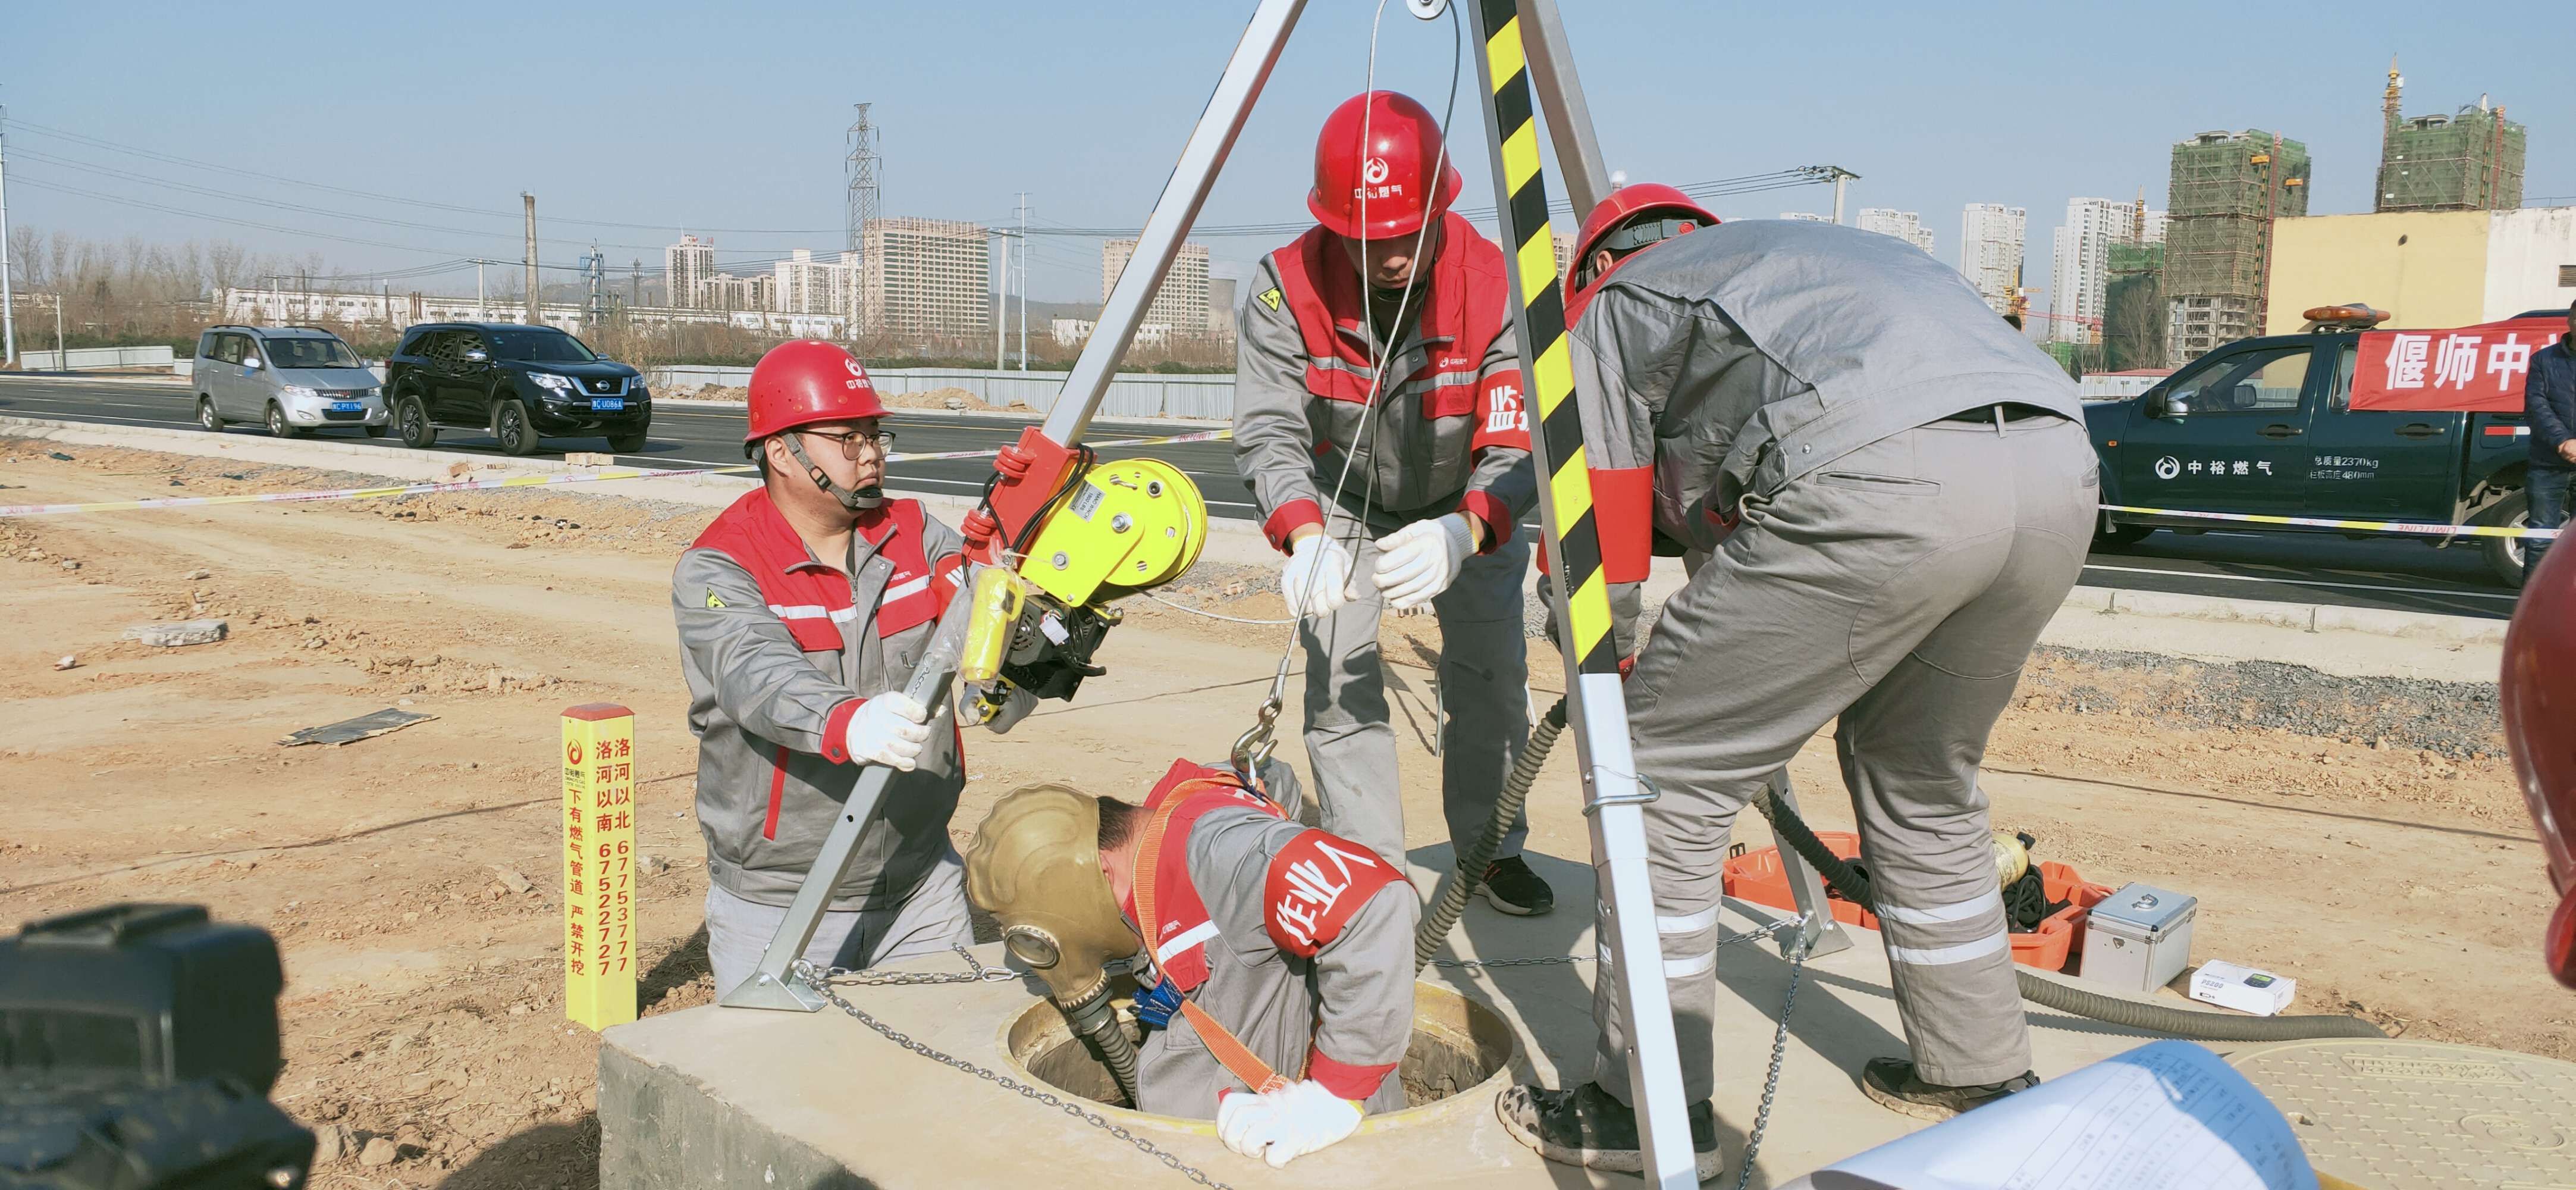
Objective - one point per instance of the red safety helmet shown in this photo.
(804, 381)
(2538, 691)
(1373, 166)
(1603, 228)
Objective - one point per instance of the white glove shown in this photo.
(1285, 1124)
(1317, 579)
(888, 730)
(1419, 561)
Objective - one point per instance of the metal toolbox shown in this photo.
(2139, 938)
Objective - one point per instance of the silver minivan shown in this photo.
(292, 379)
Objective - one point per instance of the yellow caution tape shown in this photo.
(516, 481)
(2311, 522)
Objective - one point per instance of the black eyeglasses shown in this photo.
(851, 442)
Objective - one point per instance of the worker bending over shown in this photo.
(1279, 995)
(803, 609)
(1892, 492)
(1376, 347)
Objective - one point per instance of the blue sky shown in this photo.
(675, 116)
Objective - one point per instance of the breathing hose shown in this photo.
(1096, 1021)
(1855, 887)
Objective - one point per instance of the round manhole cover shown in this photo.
(2415, 1115)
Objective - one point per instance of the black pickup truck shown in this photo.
(2264, 426)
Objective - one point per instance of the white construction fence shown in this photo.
(100, 359)
(1131, 394)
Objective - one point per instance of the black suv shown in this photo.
(517, 381)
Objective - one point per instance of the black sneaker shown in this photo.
(1895, 1085)
(1586, 1127)
(1510, 887)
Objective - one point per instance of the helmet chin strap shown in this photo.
(860, 500)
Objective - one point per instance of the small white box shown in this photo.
(2242, 988)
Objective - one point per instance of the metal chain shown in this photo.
(1779, 1049)
(976, 972)
(816, 978)
(821, 979)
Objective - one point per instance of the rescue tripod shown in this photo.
(1526, 68)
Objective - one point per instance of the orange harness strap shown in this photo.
(1222, 1044)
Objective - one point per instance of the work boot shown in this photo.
(1586, 1127)
(1894, 1083)
(1510, 887)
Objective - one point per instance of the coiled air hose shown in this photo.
(1854, 886)
(1480, 850)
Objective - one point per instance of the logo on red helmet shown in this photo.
(1374, 171)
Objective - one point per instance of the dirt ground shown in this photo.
(411, 878)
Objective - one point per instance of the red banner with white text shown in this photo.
(2477, 369)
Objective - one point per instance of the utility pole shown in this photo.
(479, 315)
(8, 299)
(1024, 280)
(529, 203)
(634, 284)
(1840, 176)
(594, 271)
(1001, 300)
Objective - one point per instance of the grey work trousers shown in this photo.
(929, 920)
(1483, 675)
(1896, 591)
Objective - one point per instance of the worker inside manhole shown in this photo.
(1277, 996)
(1457, 1044)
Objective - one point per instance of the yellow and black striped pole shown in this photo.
(1596, 710)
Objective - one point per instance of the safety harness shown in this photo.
(1316, 884)
(1222, 1044)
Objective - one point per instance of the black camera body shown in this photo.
(138, 1043)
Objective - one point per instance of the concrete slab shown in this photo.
(731, 1097)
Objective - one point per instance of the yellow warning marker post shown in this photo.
(599, 864)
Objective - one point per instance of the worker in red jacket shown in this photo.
(802, 611)
(2539, 696)
(1277, 998)
(1378, 421)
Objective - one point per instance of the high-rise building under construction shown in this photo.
(2470, 160)
(2227, 190)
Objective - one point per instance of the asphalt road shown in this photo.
(2290, 567)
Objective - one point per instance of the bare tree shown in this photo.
(26, 255)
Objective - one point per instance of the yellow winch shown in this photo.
(1120, 528)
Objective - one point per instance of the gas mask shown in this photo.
(860, 500)
(1035, 866)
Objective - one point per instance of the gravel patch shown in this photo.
(2456, 719)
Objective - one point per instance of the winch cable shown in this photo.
(1254, 745)
(1855, 887)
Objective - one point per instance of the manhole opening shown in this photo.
(1456, 1045)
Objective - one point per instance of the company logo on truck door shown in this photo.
(2170, 467)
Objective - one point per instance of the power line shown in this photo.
(174, 159)
(251, 223)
